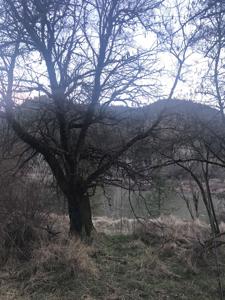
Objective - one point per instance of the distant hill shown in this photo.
(178, 107)
(182, 107)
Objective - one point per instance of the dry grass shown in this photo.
(102, 224)
(41, 261)
(173, 228)
(125, 266)
(171, 235)
(115, 226)
(176, 237)
(55, 264)
(11, 294)
(152, 263)
(70, 255)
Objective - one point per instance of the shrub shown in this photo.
(176, 237)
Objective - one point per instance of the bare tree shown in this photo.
(177, 38)
(83, 57)
(191, 145)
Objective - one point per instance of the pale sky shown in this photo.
(186, 88)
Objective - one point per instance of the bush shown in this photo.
(176, 237)
(18, 234)
(23, 219)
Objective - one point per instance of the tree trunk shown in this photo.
(80, 215)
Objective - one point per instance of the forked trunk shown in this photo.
(80, 215)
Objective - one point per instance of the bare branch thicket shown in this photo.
(177, 37)
(188, 145)
(78, 58)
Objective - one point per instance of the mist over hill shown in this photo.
(168, 107)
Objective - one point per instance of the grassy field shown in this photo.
(115, 267)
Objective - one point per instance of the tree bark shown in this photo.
(80, 215)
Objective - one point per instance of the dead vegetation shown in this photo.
(190, 241)
(34, 261)
(164, 259)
